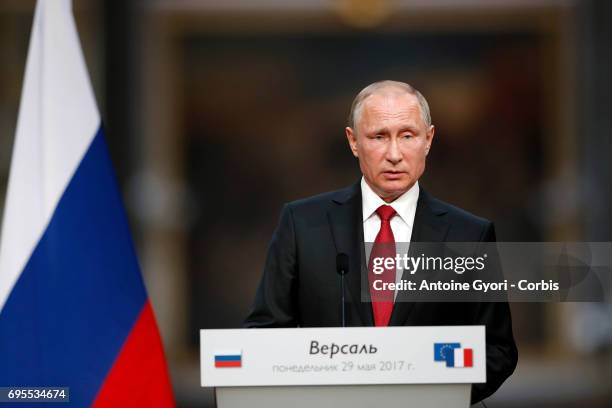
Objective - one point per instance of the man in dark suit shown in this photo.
(390, 132)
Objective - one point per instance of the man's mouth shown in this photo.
(393, 175)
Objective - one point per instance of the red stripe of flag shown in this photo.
(139, 377)
(468, 358)
(235, 363)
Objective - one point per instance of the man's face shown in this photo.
(391, 141)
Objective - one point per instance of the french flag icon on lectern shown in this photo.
(453, 354)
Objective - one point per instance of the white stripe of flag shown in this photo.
(51, 137)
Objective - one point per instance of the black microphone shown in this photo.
(342, 267)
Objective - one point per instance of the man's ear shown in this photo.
(429, 138)
(352, 140)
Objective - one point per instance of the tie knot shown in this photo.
(385, 212)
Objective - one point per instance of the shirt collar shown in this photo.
(404, 205)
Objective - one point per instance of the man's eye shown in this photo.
(407, 136)
(379, 137)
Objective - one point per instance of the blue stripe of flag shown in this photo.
(228, 358)
(80, 293)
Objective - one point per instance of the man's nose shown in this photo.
(394, 155)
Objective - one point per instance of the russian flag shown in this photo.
(228, 358)
(73, 308)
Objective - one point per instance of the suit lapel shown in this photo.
(346, 223)
(429, 226)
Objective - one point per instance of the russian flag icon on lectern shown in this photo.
(228, 358)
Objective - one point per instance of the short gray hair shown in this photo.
(377, 86)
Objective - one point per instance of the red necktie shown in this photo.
(384, 247)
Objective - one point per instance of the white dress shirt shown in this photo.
(401, 224)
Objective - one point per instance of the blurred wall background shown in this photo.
(217, 113)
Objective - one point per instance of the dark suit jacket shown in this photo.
(300, 286)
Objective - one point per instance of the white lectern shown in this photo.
(344, 367)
